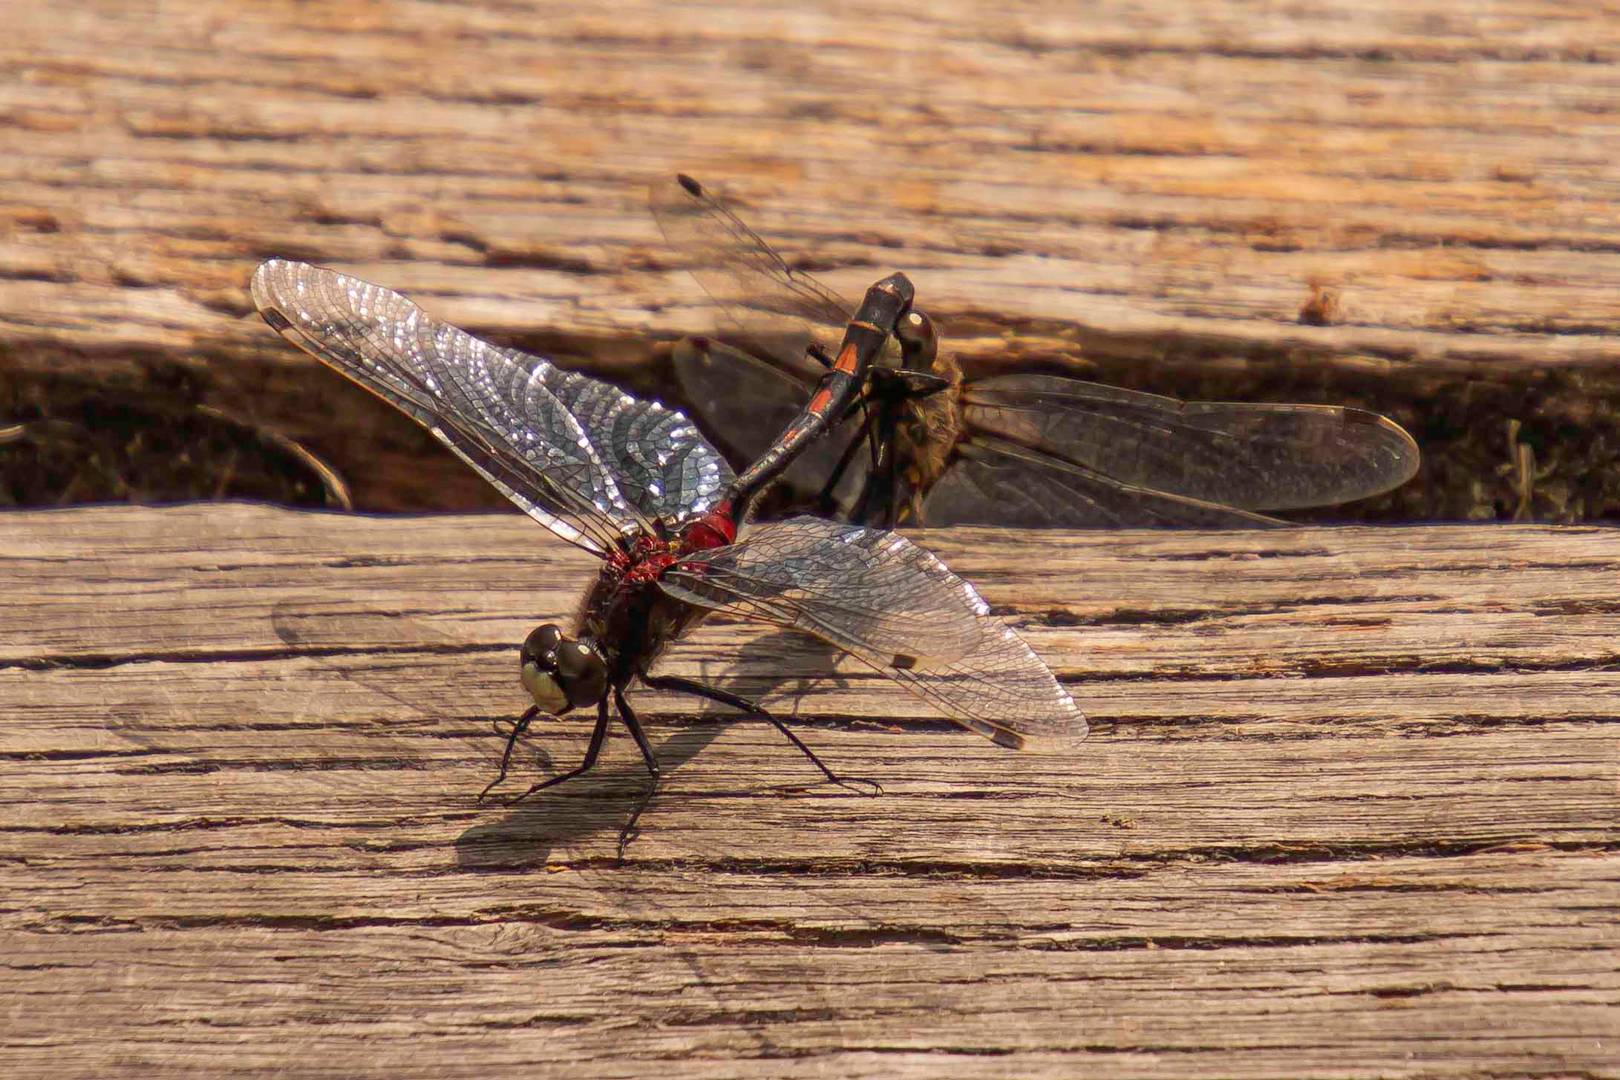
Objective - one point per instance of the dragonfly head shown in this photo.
(919, 341)
(561, 673)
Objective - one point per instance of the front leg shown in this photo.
(592, 752)
(518, 729)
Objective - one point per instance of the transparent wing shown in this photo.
(737, 267)
(1253, 456)
(746, 403)
(583, 458)
(893, 605)
(662, 464)
(992, 482)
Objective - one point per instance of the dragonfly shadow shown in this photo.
(775, 669)
(343, 640)
(601, 802)
(523, 834)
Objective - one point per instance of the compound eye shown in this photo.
(542, 687)
(919, 341)
(540, 644)
(580, 673)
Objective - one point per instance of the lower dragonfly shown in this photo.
(1016, 450)
(635, 484)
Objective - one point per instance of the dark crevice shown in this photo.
(635, 930)
(1173, 616)
(104, 661)
(1407, 53)
(1128, 864)
(1313, 668)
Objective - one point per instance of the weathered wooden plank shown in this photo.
(506, 988)
(1320, 125)
(1349, 809)
(1158, 195)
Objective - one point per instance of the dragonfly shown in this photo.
(635, 484)
(1028, 450)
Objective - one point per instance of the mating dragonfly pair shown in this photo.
(634, 482)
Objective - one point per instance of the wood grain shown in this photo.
(1349, 809)
(1164, 195)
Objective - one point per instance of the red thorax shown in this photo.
(650, 554)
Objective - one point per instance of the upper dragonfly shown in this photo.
(635, 484)
(1022, 450)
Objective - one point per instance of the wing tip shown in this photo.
(1064, 732)
(264, 270)
(1057, 740)
(1394, 439)
(265, 287)
(259, 286)
(263, 290)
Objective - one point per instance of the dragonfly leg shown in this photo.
(630, 721)
(901, 384)
(627, 714)
(592, 752)
(876, 507)
(749, 708)
(825, 499)
(518, 728)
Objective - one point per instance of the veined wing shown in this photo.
(890, 603)
(748, 402)
(736, 266)
(583, 458)
(993, 482)
(1253, 456)
(661, 462)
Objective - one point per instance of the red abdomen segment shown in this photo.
(885, 304)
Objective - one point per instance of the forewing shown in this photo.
(748, 402)
(736, 266)
(992, 482)
(663, 466)
(893, 605)
(1253, 456)
(581, 457)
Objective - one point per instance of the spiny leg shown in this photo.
(890, 388)
(877, 493)
(878, 433)
(598, 737)
(675, 682)
(903, 384)
(847, 458)
(628, 715)
(876, 506)
(518, 728)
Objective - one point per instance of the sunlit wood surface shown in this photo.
(1348, 808)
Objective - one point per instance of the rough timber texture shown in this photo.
(1349, 809)
(1410, 204)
